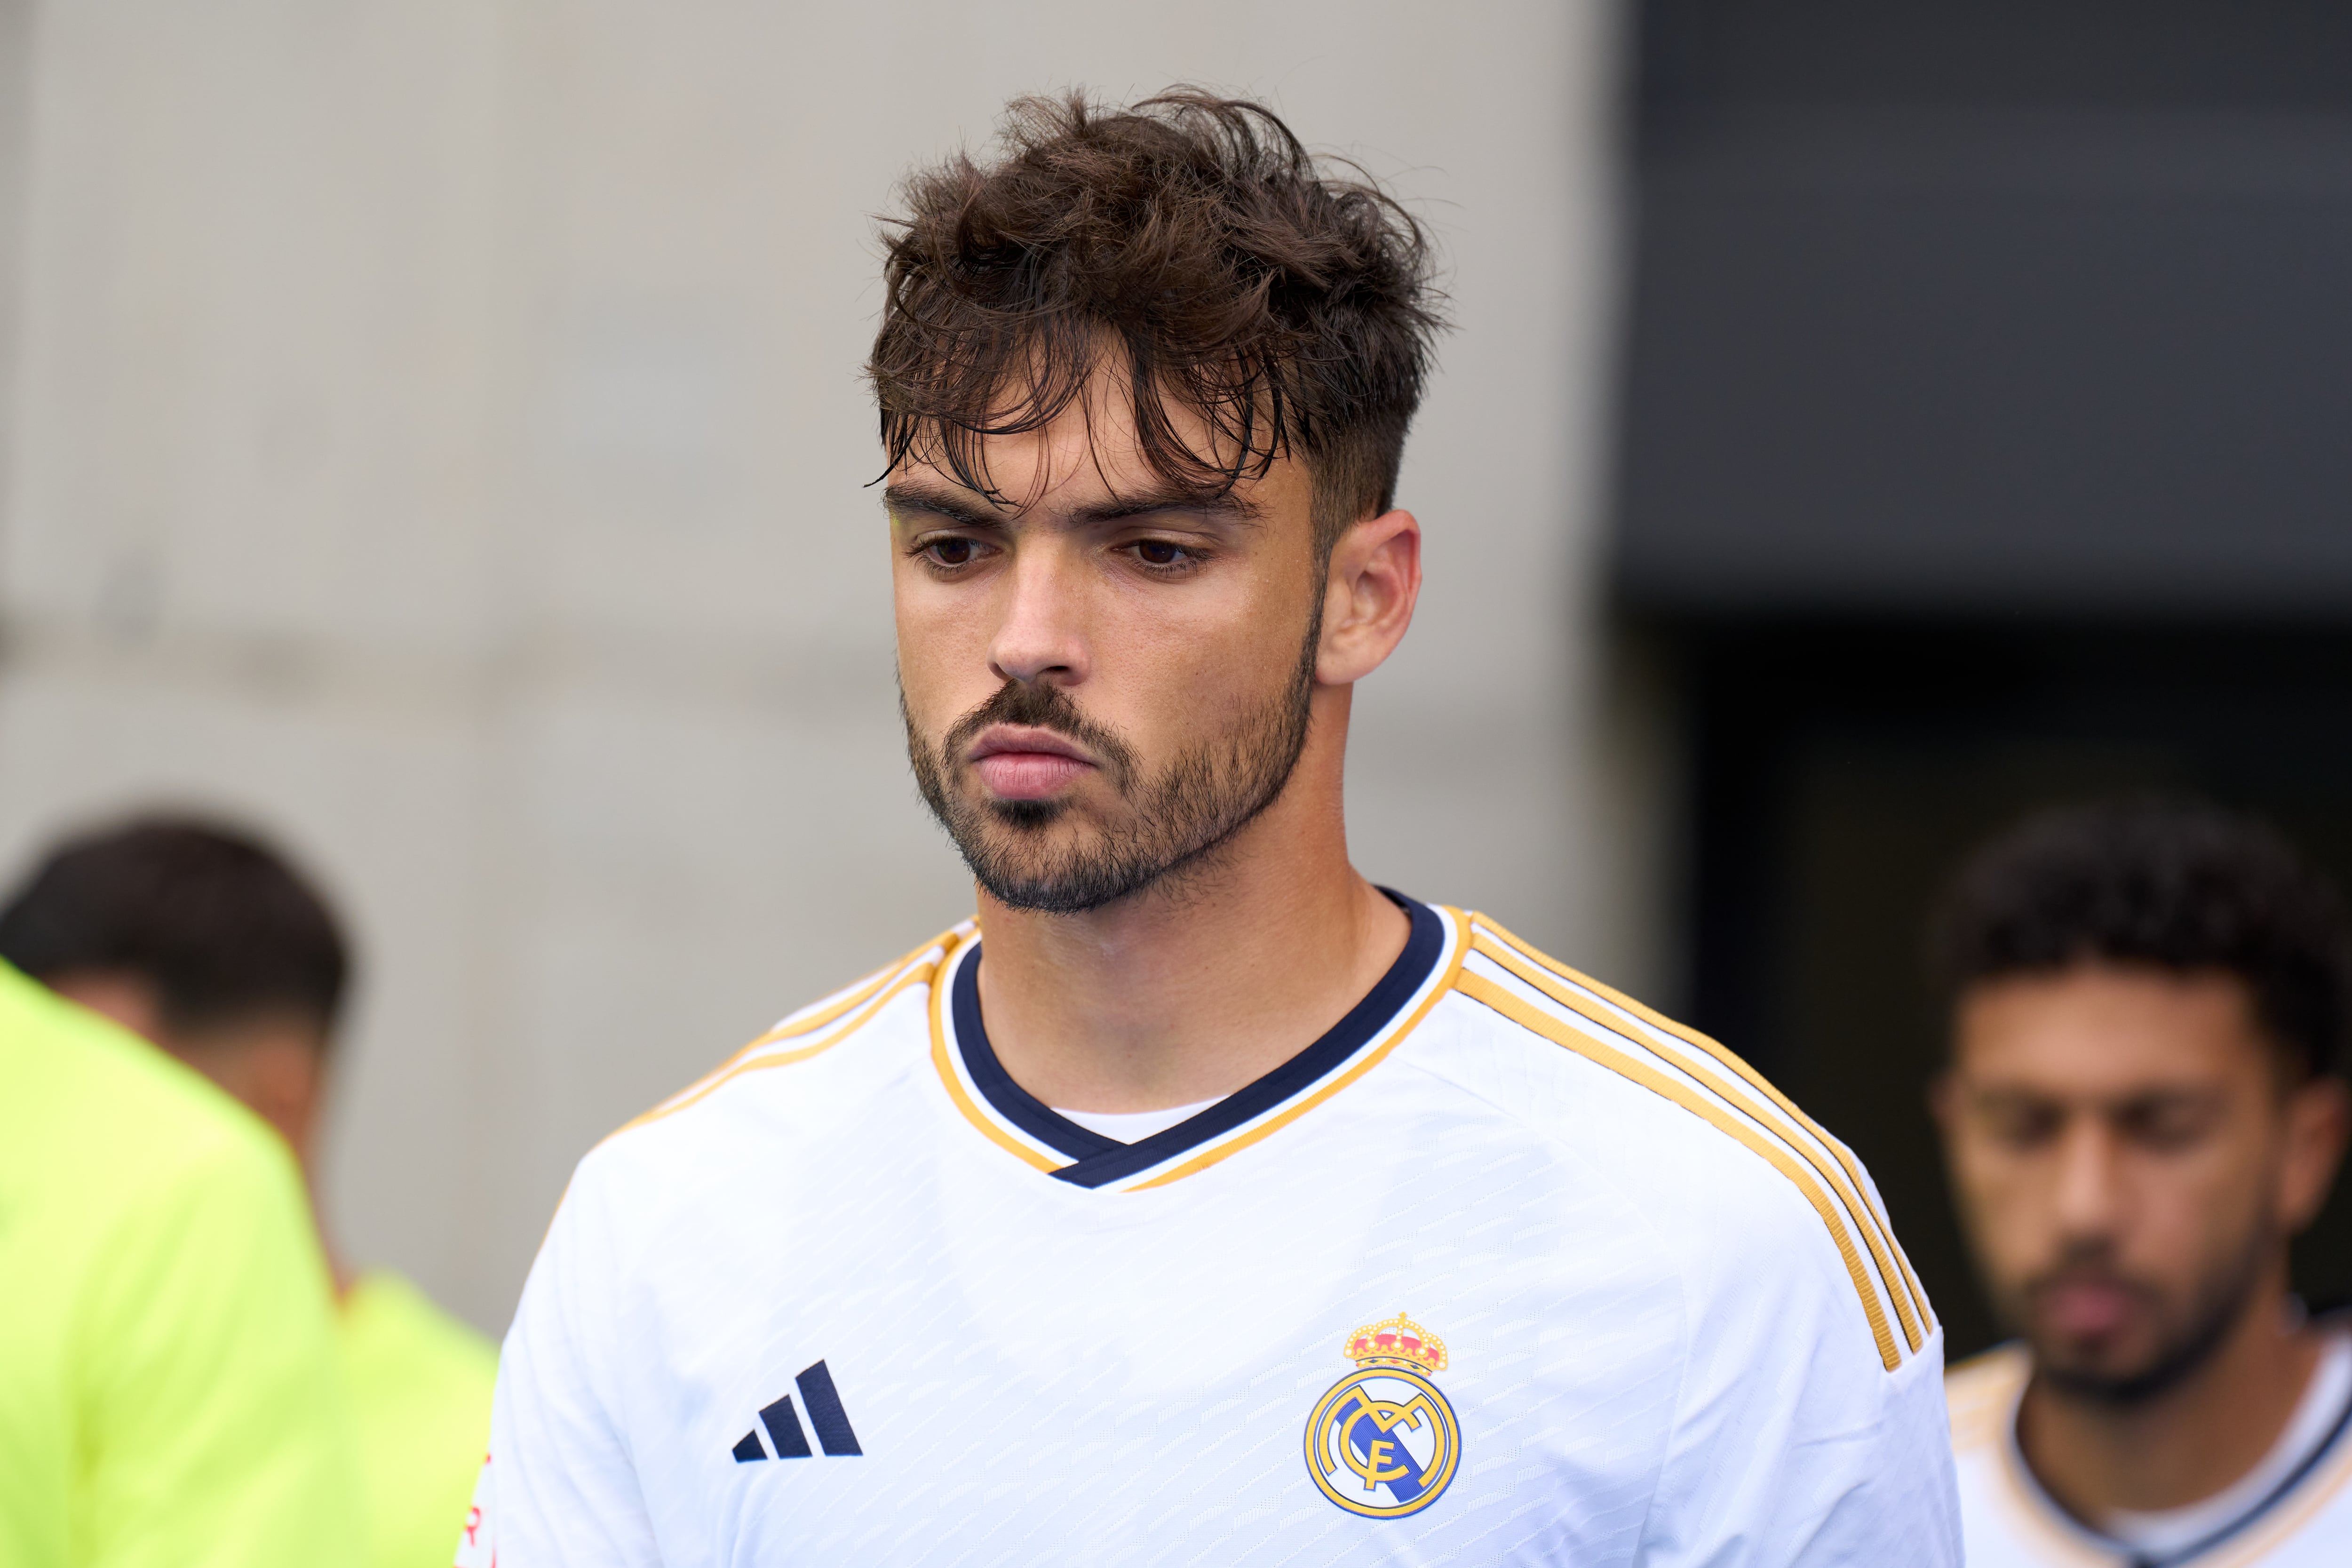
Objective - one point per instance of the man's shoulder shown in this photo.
(1582, 1063)
(835, 1046)
(1718, 1157)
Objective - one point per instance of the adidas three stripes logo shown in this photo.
(784, 1427)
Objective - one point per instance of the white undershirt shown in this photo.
(1133, 1126)
(2153, 1534)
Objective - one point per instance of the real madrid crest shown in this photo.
(1383, 1442)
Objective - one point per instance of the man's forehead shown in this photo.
(2100, 995)
(2072, 1058)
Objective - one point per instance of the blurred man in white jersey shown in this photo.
(2149, 999)
(1199, 1201)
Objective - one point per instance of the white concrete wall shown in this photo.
(435, 432)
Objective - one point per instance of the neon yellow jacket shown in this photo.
(169, 1392)
(420, 1383)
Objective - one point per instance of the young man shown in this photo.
(2148, 999)
(1198, 1202)
(205, 942)
(167, 1383)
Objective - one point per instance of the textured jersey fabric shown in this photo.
(420, 1384)
(2009, 1521)
(169, 1396)
(1503, 1269)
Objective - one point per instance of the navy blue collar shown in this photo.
(1097, 1159)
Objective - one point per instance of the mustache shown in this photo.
(2041, 1285)
(1041, 707)
(2088, 1263)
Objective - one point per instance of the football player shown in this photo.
(2140, 1111)
(1198, 1199)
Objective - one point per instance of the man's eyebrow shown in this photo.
(970, 513)
(971, 510)
(1222, 505)
(2165, 1098)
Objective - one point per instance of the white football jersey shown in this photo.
(2300, 1517)
(1503, 1269)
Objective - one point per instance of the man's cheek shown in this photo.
(2012, 1231)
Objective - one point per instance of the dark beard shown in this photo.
(1177, 820)
(2217, 1310)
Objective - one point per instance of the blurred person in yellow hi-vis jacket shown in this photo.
(208, 943)
(168, 1391)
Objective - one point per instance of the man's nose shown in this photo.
(2089, 1190)
(1041, 636)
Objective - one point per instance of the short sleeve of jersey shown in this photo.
(558, 1487)
(1793, 1445)
(217, 1434)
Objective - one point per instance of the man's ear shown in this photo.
(2318, 1119)
(1368, 597)
(127, 998)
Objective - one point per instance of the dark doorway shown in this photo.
(1842, 766)
(1982, 444)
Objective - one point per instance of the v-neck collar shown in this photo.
(1085, 1158)
(2028, 1490)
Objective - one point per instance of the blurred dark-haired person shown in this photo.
(205, 941)
(1199, 1202)
(2147, 1002)
(169, 1396)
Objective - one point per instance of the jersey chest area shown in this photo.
(1305, 1361)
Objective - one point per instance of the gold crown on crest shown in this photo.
(1397, 1341)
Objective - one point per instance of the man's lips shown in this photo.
(2087, 1308)
(1023, 762)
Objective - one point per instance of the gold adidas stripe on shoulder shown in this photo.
(1723, 1106)
(1656, 1029)
(1863, 1217)
(1481, 989)
(822, 1012)
(852, 1009)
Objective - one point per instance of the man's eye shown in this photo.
(2167, 1126)
(2022, 1126)
(1159, 552)
(951, 552)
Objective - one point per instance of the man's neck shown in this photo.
(1181, 994)
(2186, 1444)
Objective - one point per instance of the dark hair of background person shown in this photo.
(2178, 884)
(1289, 301)
(220, 924)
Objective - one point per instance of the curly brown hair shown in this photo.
(2175, 883)
(1193, 243)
